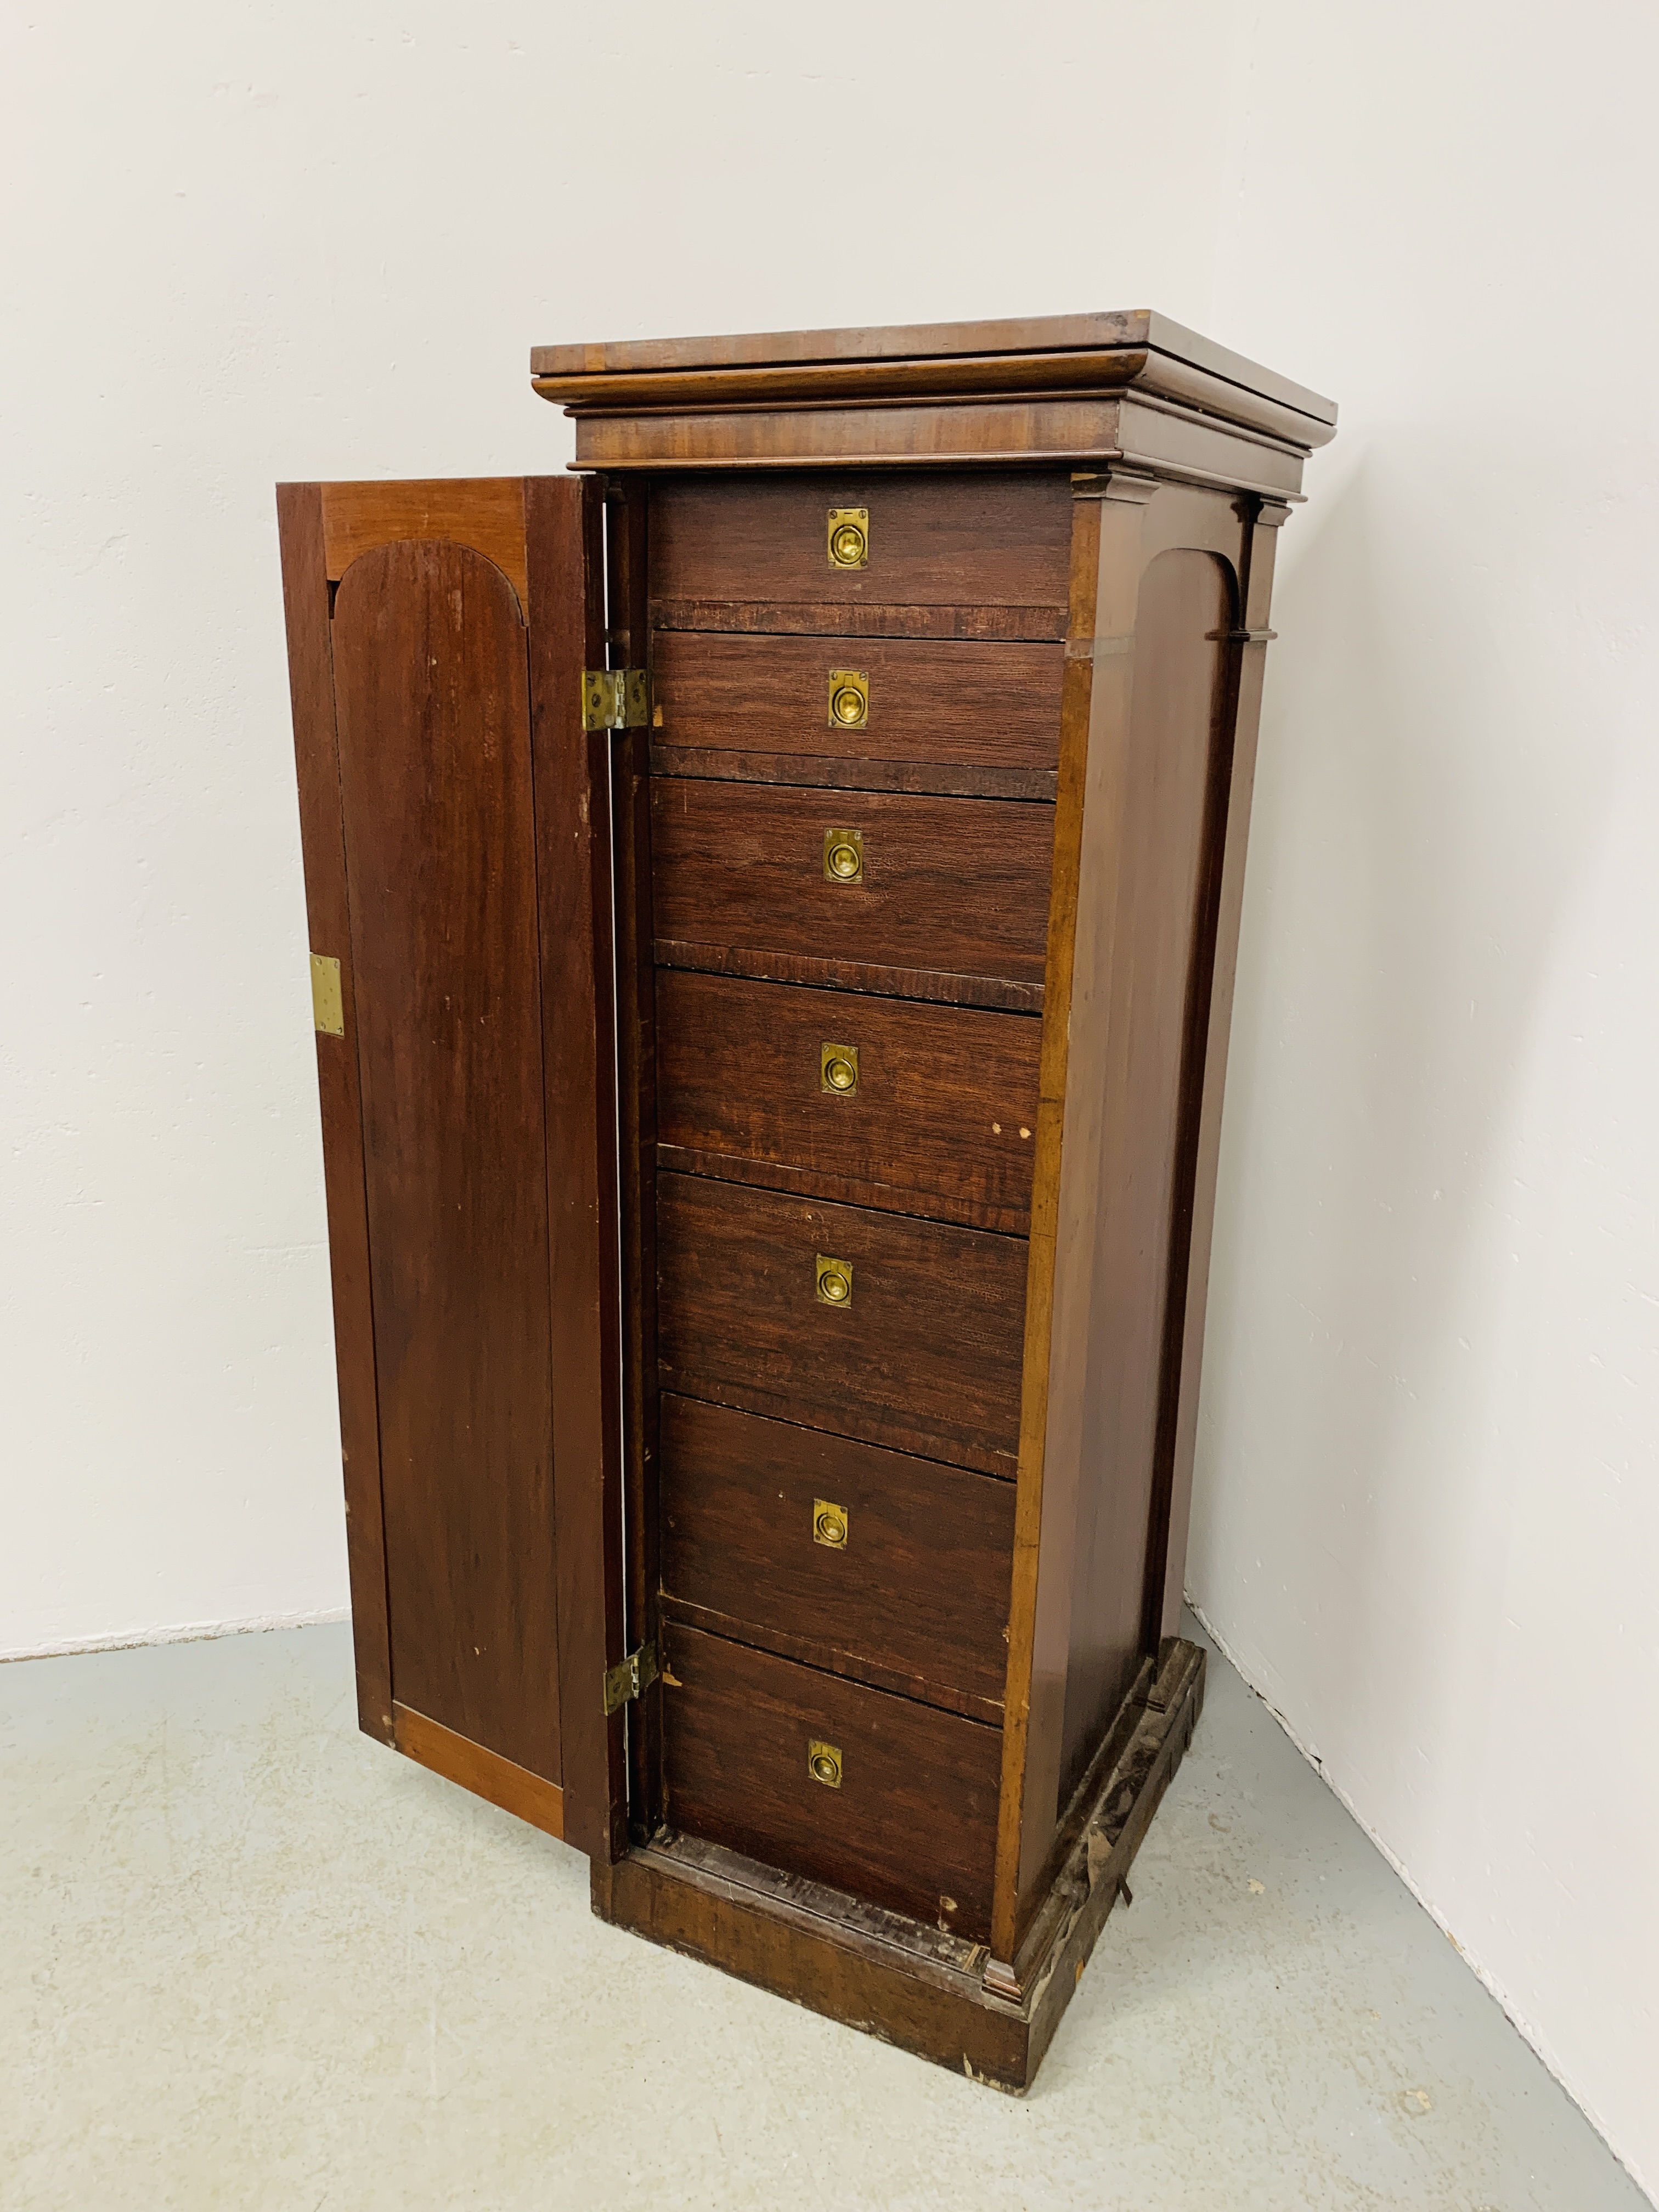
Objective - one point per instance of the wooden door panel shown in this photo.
(432, 700)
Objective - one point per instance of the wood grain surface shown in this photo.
(837, 772)
(913, 1823)
(486, 512)
(982, 439)
(627, 538)
(934, 540)
(1172, 1511)
(904, 1979)
(844, 618)
(972, 346)
(485, 1773)
(845, 383)
(951, 886)
(1033, 1700)
(989, 706)
(432, 692)
(920, 1588)
(322, 838)
(926, 1358)
(1118, 1366)
(945, 1107)
(572, 875)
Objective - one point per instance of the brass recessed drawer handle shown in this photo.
(823, 1764)
(849, 699)
(834, 1281)
(829, 1525)
(843, 856)
(838, 1069)
(849, 537)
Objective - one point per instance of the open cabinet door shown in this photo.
(455, 818)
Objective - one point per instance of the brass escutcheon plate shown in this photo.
(834, 1281)
(849, 699)
(823, 1764)
(829, 1525)
(838, 1069)
(843, 856)
(849, 537)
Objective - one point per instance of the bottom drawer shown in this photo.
(893, 1801)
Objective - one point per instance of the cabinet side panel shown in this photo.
(432, 698)
(1137, 1246)
(1167, 1565)
(311, 683)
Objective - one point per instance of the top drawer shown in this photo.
(980, 556)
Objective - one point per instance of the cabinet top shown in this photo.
(1130, 387)
(940, 357)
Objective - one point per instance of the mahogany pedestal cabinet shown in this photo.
(774, 896)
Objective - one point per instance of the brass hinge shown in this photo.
(327, 1004)
(625, 1680)
(616, 699)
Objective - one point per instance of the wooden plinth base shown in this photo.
(893, 1977)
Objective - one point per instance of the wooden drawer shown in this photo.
(981, 555)
(942, 1119)
(924, 1357)
(912, 1824)
(916, 1596)
(953, 901)
(966, 704)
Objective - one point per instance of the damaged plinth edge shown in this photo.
(930, 1992)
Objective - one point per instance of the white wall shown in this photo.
(1427, 1521)
(307, 240)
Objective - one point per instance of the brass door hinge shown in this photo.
(625, 1680)
(327, 1003)
(616, 699)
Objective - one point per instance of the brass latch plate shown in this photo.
(625, 1680)
(834, 1281)
(327, 1001)
(616, 699)
(824, 1763)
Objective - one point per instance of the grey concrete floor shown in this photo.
(248, 1959)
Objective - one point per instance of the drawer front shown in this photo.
(942, 1107)
(914, 1579)
(981, 705)
(956, 885)
(966, 541)
(911, 1822)
(924, 1356)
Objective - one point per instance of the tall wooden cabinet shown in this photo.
(774, 896)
